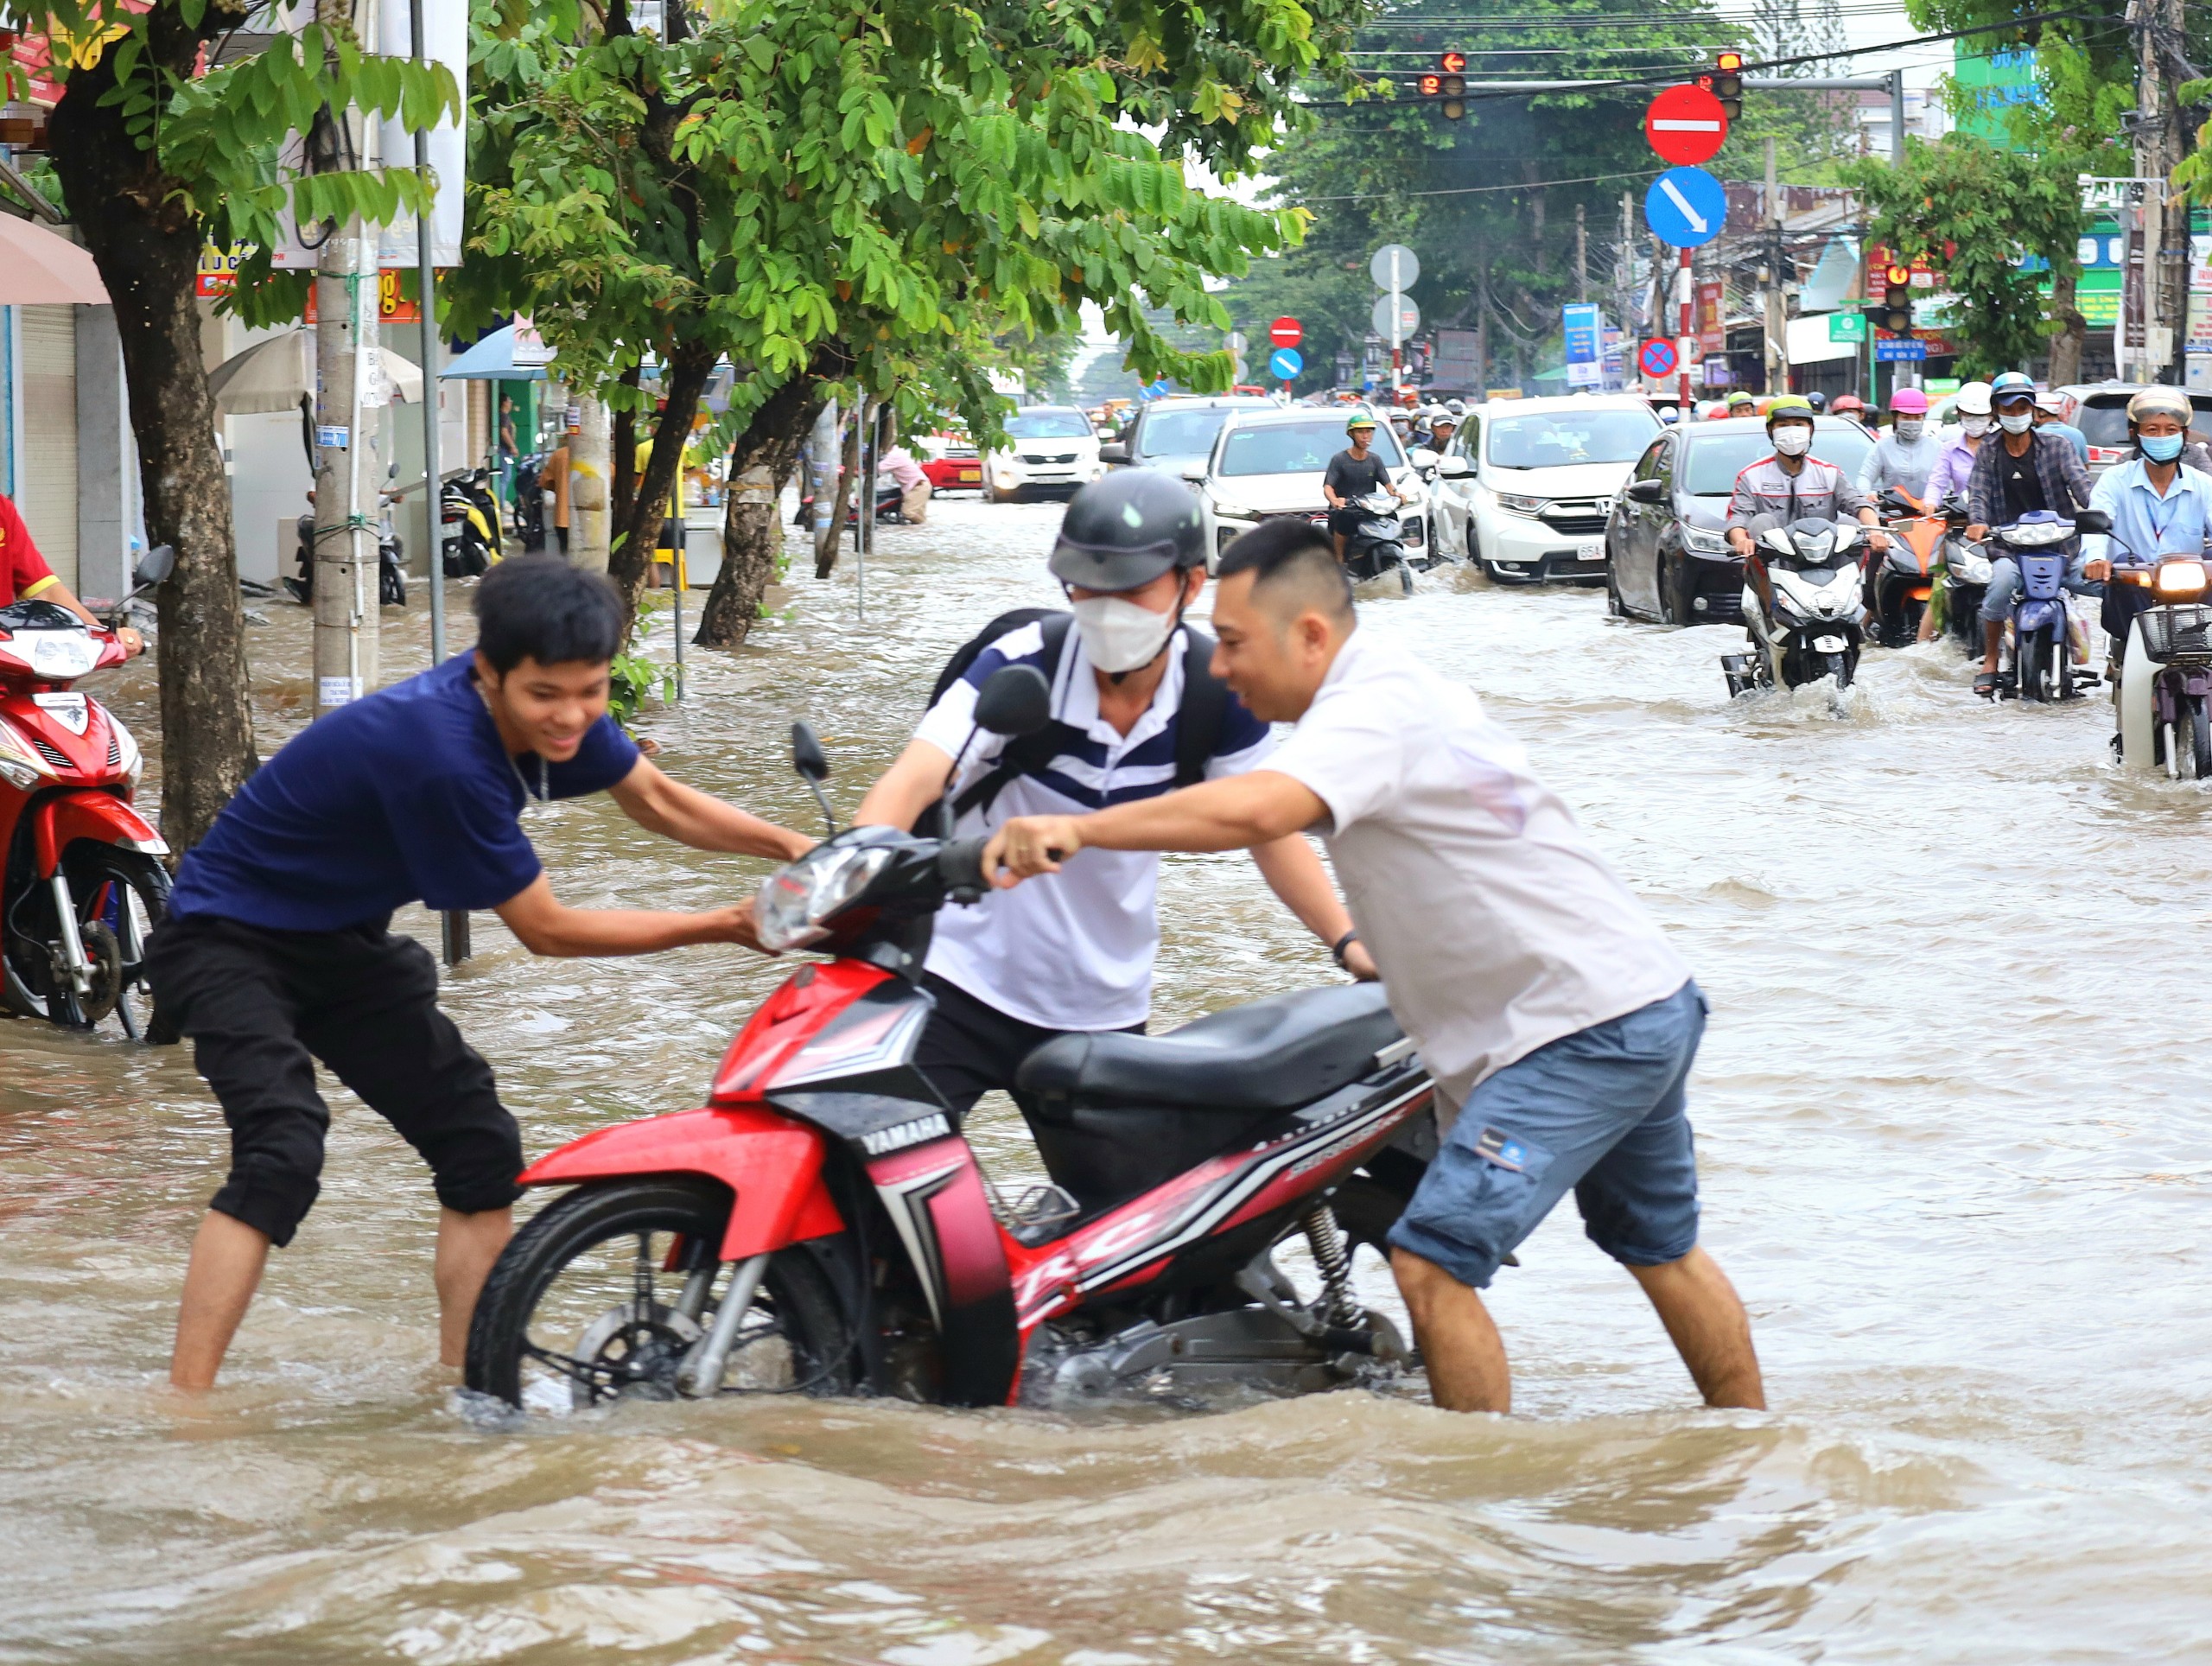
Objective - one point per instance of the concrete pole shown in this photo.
(591, 485)
(346, 465)
(1897, 118)
(1778, 324)
(1582, 255)
(427, 278)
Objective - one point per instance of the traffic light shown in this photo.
(1893, 312)
(1726, 83)
(1448, 83)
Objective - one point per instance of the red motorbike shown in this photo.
(83, 883)
(821, 1224)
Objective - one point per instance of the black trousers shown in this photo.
(260, 1005)
(970, 1047)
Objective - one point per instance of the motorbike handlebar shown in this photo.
(960, 863)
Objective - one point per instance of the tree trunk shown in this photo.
(753, 528)
(848, 469)
(146, 241)
(637, 534)
(2066, 346)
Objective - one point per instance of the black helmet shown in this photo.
(1818, 401)
(1126, 529)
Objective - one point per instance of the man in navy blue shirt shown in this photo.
(276, 950)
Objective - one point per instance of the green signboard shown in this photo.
(1846, 327)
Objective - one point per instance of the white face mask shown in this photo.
(1910, 429)
(1974, 426)
(1793, 440)
(1121, 636)
(2017, 421)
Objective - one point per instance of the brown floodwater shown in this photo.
(1952, 1118)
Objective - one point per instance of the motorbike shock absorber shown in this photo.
(1327, 1244)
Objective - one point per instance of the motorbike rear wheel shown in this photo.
(601, 1294)
(2034, 666)
(2196, 742)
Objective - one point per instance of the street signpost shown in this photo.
(1285, 332)
(1685, 124)
(1394, 267)
(1891, 350)
(1846, 327)
(1237, 345)
(1395, 316)
(1685, 207)
(1657, 359)
(1285, 363)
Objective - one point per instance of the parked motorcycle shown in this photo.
(2040, 662)
(82, 884)
(529, 503)
(1377, 548)
(391, 554)
(821, 1224)
(1803, 612)
(469, 522)
(1901, 582)
(2163, 712)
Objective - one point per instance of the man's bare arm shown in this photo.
(1234, 814)
(1295, 874)
(546, 926)
(903, 791)
(662, 804)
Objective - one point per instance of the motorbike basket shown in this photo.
(2177, 633)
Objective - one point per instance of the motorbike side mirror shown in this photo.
(392, 473)
(2093, 520)
(1014, 700)
(813, 768)
(156, 565)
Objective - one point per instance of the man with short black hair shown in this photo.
(276, 951)
(1354, 472)
(1558, 1023)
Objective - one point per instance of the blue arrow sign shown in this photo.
(1686, 206)
(1285, 363)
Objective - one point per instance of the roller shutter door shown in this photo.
(46, 494)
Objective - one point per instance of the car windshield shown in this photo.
(1569, 437)
(1188, 433)
(2104, 422)
(1048, 425)
(1297, 448)
(1716, 459)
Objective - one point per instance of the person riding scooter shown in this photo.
(2023, 472)
(1792, 484)
(1851, 408)
(1902, 459)
(1954, 463)
(2156, 506)
(1354, 472)
(1135, 713)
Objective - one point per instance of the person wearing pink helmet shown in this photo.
(1902, 459)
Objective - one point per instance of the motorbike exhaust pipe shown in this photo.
(700, 1376)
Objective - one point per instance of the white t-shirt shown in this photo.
(1075, 951)
(1496, 928)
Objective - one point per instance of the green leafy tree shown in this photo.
(1974, 208)
(845, 201)
(156, 158)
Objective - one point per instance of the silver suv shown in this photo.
(1176, 434)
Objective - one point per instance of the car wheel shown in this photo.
(1683, 599)
(1666, 588)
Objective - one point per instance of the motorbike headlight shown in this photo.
(795, 901)
(2180, 580)
(1700, 541)
(1521, 505)
(19, 764)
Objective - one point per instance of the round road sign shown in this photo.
(1685, 124)
(1408, 315)
(1394, 267)
(1285, 332)
(1657, 359)
(1285, 363)
(1686, 206)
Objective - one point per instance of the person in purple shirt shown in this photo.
(1954, 468)
(278, 951)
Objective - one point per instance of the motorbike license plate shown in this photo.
(1828, 643)
(1590, 549)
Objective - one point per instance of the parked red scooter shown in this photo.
(82, 883)
(820, 1225)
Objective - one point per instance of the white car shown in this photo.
(1268, 463)
(1053, 449)
(1526, 484)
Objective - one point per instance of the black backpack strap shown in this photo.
(1205, 710)
(1026, 754)
(1005, 625)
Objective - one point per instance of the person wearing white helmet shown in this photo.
(1954, 468)
(2157, 506)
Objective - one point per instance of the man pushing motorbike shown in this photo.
(1791, 484)
(276, 950)
(2025, 470)
(1135, 713)
(1550, 1010)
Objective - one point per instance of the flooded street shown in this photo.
(1954, 1155)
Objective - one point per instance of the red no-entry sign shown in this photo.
(1285, 332)
(1685, 124)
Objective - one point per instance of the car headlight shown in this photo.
(19, 764)
(1704, 543)
(796, 901)
(1521, 505)
(1235, 511)
(2180, 580)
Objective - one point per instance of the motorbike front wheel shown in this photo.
(602, 1295)
(2033, 663)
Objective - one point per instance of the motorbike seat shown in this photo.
(1285, 1051)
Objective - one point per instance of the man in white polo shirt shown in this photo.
(1546, 1002)
(1135, 714)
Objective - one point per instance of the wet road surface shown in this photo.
(1952, 1122)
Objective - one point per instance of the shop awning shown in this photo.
(39, 268)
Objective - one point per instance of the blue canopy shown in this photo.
(492, 359)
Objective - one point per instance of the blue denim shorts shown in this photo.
(1603, 1111)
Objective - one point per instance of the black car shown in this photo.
(1667, 556)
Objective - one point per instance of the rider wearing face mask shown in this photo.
(1954, 464)
(2157, 506)
(1794, 485)
(2022, 472)
(1904, 458)
(1135, 714)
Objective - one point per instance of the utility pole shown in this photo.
(1581, 255)
(2165, 236)
(591, 485)
(1625, 294)
(1778, 325)
(345, 584)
